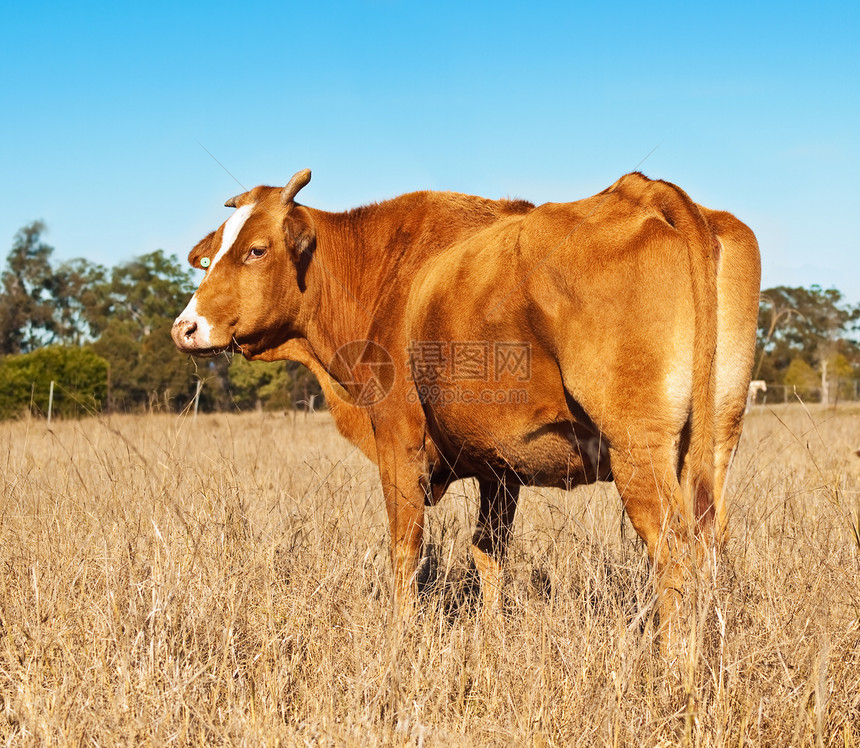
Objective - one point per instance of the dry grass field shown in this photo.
(226, 582)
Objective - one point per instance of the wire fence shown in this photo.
(842, 390)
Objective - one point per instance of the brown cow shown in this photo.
(610, 338)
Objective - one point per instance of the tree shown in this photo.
(132, 312)
(843, 375)
(80, 378)
(801, 378)
(144, 292)
(257, 384)
(78, 290)
(28, 287)
(39, 304)
(812, 325)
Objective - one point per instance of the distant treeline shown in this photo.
(102, 335)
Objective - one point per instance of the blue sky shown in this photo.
(750, 107)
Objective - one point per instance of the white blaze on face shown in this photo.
(232, 228)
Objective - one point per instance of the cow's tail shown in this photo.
(703, 249)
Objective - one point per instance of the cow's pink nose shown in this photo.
(188, 329)
(183, 330)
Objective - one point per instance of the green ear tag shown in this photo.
(205, 262)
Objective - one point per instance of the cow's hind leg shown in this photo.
(498, 505)
(729, 422)
(646, 476)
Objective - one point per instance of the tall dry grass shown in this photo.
(226, 581)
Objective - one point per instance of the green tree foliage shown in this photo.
(79, 286)
(142, 293)
(272, 386)
(132, 311)
(253, 382)
(79, 376)
(801, 378)
(845, 376)
(810, 325)
(146, 371)
(28, 291)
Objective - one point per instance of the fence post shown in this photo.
(197, 397)
(50, 401)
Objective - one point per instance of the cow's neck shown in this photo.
(352, 279)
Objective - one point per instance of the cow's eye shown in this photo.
(256, 252)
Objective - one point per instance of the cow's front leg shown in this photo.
(404, 482)
(490, 539)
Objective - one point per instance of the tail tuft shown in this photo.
(704, 505)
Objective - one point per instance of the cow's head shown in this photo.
(255, 264)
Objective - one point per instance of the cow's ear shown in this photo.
(239, 200)
(203, 249)
(299, 231)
